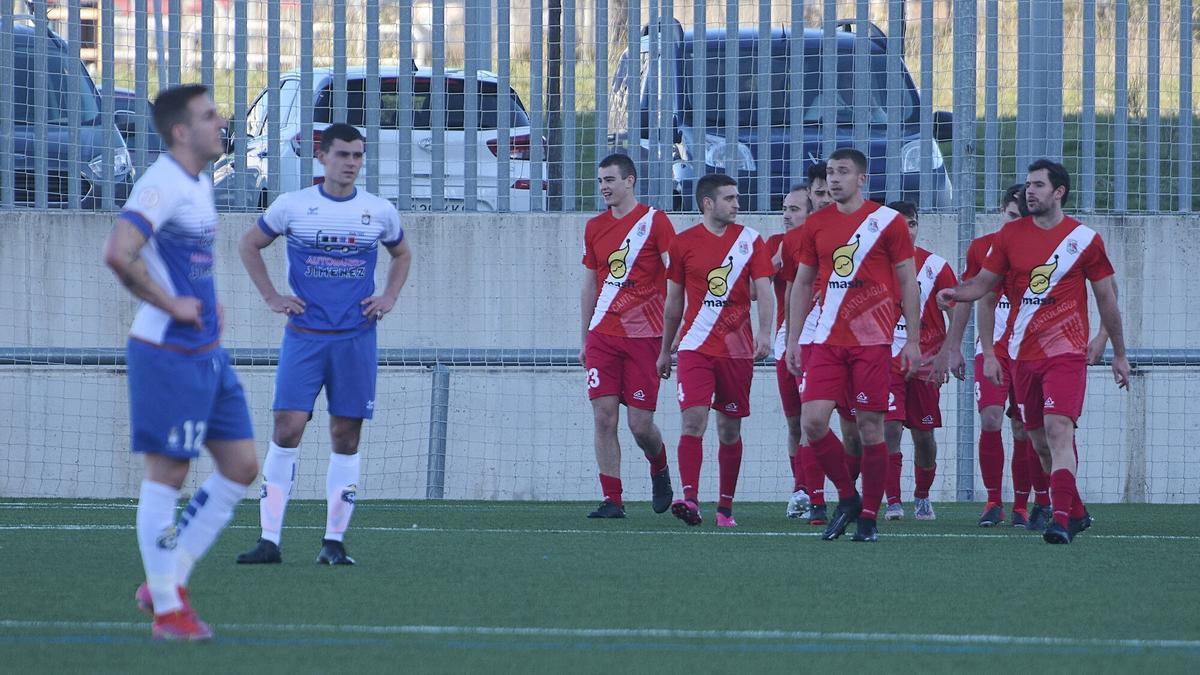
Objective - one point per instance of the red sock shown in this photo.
(1062, 495)
(691, 456)
(659, 461)
(729, 462)
(1020, 475)
(991, 464)
(1078, 510)
(894, 467)
(1038, 478)
(611, 486)
(853, 467)
(798, 482)
(924, 481)
(874, 475)
(830, 453)
(813, 474)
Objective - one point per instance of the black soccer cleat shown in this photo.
(333, 553)
(867, 530)
(607, 509)
(992, 516)
(264, 553)
(1056, 534)
(1039, 518)
(663, 495)
(846, 512)
(820, 515)
(1077, 525)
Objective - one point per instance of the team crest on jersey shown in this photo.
(616, 262)
(929, 273)
(366, 218)
(1072, 247)
(641, 231)
(148, 198)
(873, 226)
(744, 248)
(718, 278)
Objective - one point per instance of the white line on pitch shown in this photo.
(684, 533)
(638, 633)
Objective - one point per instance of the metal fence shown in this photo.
(506, 105)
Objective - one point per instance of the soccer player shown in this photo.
(715, 264)
(622, 328)
(1044, 260)
(914, 403)
(183, 393)
(795, 210)
(333, 233)
(858, 252)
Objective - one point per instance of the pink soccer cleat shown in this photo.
(182, 625)
(725, 521)
(145, 601)
(686, 510)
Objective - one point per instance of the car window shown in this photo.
(389, 113)
(62, 75)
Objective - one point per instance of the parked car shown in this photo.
(135, 119)
(249, 190)
(751, 168)
(95, 144)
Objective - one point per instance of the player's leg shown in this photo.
(789, 397)
(731, 400)
(991, 398)
(870, 371)
(640, 383)
(341, 488)
(157, 533)
(697, 383)
(604, 381)
(649, 438)
(893, 435)
(1039, 477)
(1064, 381)
(925, 468)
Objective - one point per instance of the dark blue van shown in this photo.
(751, 168)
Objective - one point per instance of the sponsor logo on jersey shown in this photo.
(371, 404)
(731, 407)
(639, 395)
(1049, 402)
(1039, 277)
(312, 210)
(861, 398)
(616, 262)
(168, 538)
(843, 257)
(718, 278)
(928, 419)
(173, 438)
(856, 283)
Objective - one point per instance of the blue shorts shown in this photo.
(177, 401)
(346, 367)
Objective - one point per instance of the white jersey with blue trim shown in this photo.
(175, 210)
(332, 249)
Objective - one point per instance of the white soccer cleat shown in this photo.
(893, 512)
(923, 510)
(798, 505)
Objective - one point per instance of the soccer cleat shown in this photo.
(797, 504)
(182, 625)
(265, 552)
(725, 521)
(1020, 518)
(847, 510)
(687, 510)
(1039, 518)
(333, 553)
(1056, 534)
(894, 512)
(661, 485)
(607, 509)
(819, 515)
(993, 515)
(867, 530)
(1077, 525)
(923, 509)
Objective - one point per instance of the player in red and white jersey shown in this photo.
(859, 252)
(1045, 261)
(624, 286)
(714, 266)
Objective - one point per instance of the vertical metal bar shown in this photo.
(1120, 158)
(437, 111)
(601, 64)
(666, 111)
(371, 98)
(7, 109)
(926, 159)
(240, 21)
(160, 47)
(439, 422)
(699, 86)
(340, 111)
(206, 46)
(40, 59)
(653, 101)
(965, 45)
(991, 107)
(1185, 107)
(307, 95)
(471, 99)
(73, 165)
(732, 87)
(141, 74)
(175, 42)
(633, 107)
(503, 104)
(569, 172)
(108, 36)
(1150, 167)
(1087, 122)
(404, 108)
(829, 79)
(862, 78)
(1053, 51)
(274, 102)
(537, 118)
(895, 96)
(764, 95)
(795, 114)
(1024, 122)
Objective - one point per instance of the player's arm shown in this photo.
(1098, 343)
(672, 316)
(123, 255)
(969, 290)
(1105, 291)
(951, 357)
(799, 304)
(910, 304)
(985, 321)
(378, 305)
(766, 317)
(587, 306)
(250, 248)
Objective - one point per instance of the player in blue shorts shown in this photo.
(183, 394)
(333, 232)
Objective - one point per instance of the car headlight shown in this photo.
(715, 153)
(910, 157)
(120, 160)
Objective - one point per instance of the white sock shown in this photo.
(157, 540)
(205, 516)
(341, 486)
(279, 473)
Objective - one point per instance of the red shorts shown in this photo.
(914, 402)
(988, 394)
(849, 376)
(623, 367)
(789, 388)
(1054, 386)
(722, 383)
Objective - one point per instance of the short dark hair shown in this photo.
(171, 108)
(1058, 175)
(816, 172)
(623, 163)
(706, 187)
(859, 159)
(798, 187)
(906, 209)
(340, 131)
(1015, 194)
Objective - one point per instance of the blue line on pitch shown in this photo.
(133, 640)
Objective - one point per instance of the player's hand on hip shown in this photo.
(991, 370)
(189, 310)
(663, 365)
(286, 304)
(377, 306)
(1120, 368)
(762, 347)
(945, 299)
(910, 359)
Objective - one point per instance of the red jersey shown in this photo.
(933, 275)
(1047, 270)
(775, 251)
(977, 252)
(631, 279)
(715, 272)
(787, 274)
(855, 257)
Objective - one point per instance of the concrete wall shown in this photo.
(520, 433)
